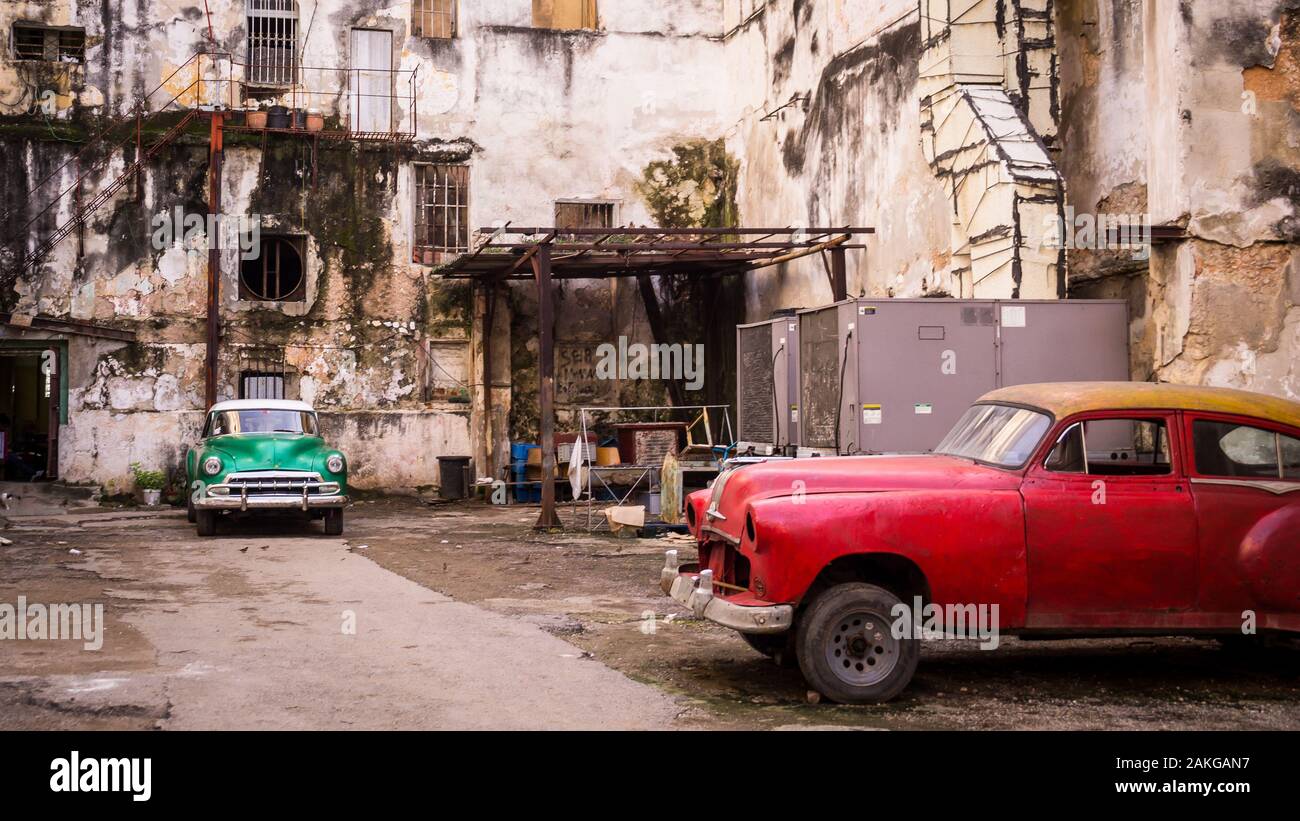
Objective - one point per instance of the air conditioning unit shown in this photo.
(767, 385)
(894, 375)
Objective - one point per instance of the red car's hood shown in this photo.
(856, 474)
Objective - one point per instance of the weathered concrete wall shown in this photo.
(401, 448)
(1192, 118)
(580, 116)
(830, 134)
(539, 116)
(678, 113)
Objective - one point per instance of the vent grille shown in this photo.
(819, 356)
(757, 386)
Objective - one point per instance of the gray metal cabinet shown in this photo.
(767, 404)
(894, 375)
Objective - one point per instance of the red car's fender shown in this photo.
(1267, 557)
(968, 544)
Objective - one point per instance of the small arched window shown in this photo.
(275, 274)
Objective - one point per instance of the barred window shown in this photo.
(261, 385)
(580, 214)
(59, 44)
(442, 207)
(272, 42)
(433, 18)
(263, 373)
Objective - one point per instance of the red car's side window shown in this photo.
(1113, 446)
(1236, 449)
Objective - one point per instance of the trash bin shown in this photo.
(453, 476)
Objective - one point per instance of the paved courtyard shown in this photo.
(461, 616)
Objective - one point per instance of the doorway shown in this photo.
(29, 414)
(372, 81)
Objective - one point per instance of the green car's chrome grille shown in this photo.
(287, 483)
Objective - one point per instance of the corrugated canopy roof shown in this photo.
(599, 253)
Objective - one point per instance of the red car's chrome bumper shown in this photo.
(693, 588)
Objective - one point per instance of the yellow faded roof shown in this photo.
(1067, 398)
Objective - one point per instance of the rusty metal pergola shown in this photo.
(504, 254)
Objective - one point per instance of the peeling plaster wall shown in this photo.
(570, 115)
(1191, 117)
(1194, 119)
(538, 115)
(850, 154)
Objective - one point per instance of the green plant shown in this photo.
(148, 479)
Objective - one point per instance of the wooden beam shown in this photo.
(489, 329)
(530, 254)
(803, 252)
(66, 326)
(839, 276)
(541, 259)
(677, 232)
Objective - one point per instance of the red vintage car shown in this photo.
(1064, 510)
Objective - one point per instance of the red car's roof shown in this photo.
(1068, 398)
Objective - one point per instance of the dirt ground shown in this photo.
(520, 591)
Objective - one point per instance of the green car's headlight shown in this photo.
(334, 463)
(212, 466)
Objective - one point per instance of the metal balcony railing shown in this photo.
(368, 104)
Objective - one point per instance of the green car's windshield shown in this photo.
(261, 420)
(996, 434)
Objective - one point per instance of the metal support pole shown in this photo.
(839, 276)
(548, 520)
(214, 259)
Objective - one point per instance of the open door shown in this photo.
(29, 414)
(50, 388)
(372, 81)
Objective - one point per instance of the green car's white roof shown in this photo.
(261, 404)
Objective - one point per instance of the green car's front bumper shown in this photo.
(268, 490)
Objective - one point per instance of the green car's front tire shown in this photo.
(207, 522)
(334, 521)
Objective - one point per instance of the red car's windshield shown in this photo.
(261, 420)
(996, 434)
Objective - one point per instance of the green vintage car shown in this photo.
(260, 455)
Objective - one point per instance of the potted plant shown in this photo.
(315, 121)
(150, 483)
(256, 115)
